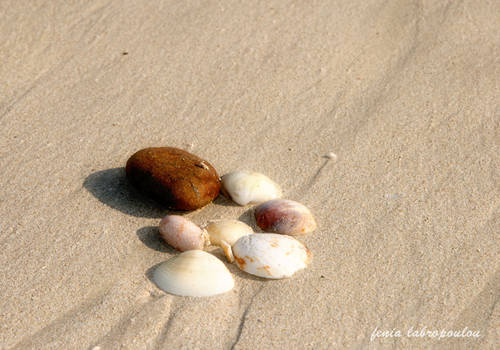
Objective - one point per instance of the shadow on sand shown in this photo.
(150, 237)
(112, 188)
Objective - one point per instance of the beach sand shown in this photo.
(406, 94)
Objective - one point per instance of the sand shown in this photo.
(406, 94)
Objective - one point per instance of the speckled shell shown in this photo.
(182, 234)
(270, 255)
(284, 216)
(193, 273)
(245, 187)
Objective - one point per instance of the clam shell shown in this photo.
(270, 255)
(194, 273)
(224, 233)
(245, 187)
(227, 230)
(182, 234)
(284, 216)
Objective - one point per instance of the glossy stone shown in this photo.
(173, 177)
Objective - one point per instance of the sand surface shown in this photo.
(405, 93)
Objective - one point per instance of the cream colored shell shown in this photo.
(245, 187)
(193, 273)
(227, 230)
(224, 233)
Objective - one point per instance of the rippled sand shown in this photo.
(405, 94)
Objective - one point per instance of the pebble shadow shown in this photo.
(224, 201)
(112, 188)
(150, 236)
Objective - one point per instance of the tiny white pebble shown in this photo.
(331, 155)
(394, 195)
(96, 348)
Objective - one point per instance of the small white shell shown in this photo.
(194, 273)
(270, 255)
(182, 234)
(227, 230)
(224, 233)
(245, 187)
(331, 155)
(284, 216)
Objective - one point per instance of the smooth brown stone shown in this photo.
(173, 177)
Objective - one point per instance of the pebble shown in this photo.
(331, 155)
(174, 177)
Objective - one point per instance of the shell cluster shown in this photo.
(197, 273)
(272, 254)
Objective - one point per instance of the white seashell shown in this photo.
(284, 216)
(270, 255)
(224, 233)
(245, 187)
(194, 273)
(227, 230)
(182, 234)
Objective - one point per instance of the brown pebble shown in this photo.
(174, 177)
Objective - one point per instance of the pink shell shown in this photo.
(181, 233)
(284, 216)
